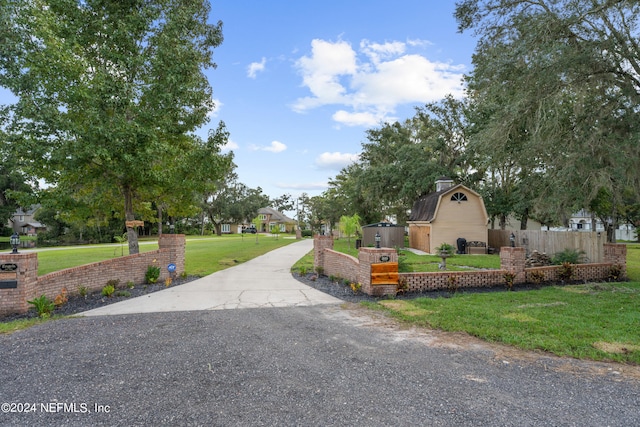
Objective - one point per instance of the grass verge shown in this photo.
(598, 321)
(592, 321)
(16, 325)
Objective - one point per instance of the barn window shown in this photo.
(459, 197)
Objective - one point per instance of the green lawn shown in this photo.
(633, 261)
(598, 321)
(204, 255)
(410, 262)
(593, 321)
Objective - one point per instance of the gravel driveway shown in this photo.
(303, 366)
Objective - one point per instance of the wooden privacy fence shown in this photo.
(551, 242)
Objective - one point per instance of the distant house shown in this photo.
(267, 217)
(23, 222)
(584, 220)
(452, 212)
(270, 217)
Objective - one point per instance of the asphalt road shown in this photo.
(304, 366)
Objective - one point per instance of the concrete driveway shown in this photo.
(264, 281)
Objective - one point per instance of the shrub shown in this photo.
(114, 282)
(572, 256)
(61, 298)
(403, 286)
(43, 305)
(536, 277)
(306, 233)
(152, 274)
(452, 284)
(83, 291)
(108, 290)
(509, 277)
(126, 294)
(615, 273)
(566, 271)
(130, 285)
(355, 287)
(446, 248)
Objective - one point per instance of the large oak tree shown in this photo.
(109, 91)
(558, 81)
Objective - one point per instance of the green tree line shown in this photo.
(549, 124)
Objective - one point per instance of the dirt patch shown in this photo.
(494, 353)
(404, 306)
(616, 347)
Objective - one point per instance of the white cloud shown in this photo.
(274, 147)
(335, 160)
(309, 186)
(366, 118)
(322, 71)
(377, 52)
(419, 42)
(255, 67)
(217, 105)
(368, 85)
(229, 146)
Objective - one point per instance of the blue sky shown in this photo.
(299, 82)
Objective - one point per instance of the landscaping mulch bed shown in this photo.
(343, 291)
(78, 304)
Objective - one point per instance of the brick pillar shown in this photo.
(616, 254)
(176, 244)
(19, 285)
(368, 256)
(320, 243)
(513, 260)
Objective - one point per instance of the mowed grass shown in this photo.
(592, 321)
(410, 262)
(203, 255)
(633, 261)
(206, 256)
(597, 321)
(59, 258)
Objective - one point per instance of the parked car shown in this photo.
(251, 229)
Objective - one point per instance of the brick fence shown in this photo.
(93, 277)
(512, 260)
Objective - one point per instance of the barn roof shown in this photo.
(424, 209)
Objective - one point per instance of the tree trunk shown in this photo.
(132, 233)
(159, 220)
(524, 220)
(503, 222)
